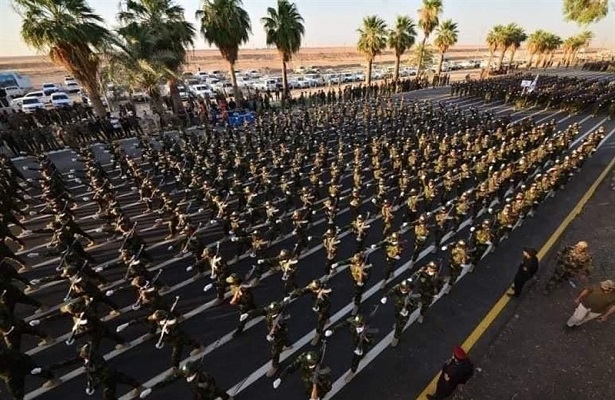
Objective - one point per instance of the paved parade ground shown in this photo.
(240, 364)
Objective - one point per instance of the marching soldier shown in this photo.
(405, 302)
(362, 338)
(412, 206)
(359, 227)
(300, 230)
(441, 226)
(316, 378)
(421, 233)
(459, 257)
(203, 384)
(392, 250)
(241, 295)
(15, 366)
(360, 272)
(170, 332)
(322, 304)
(386, 214)
(101, 375)
(483, 241)
(572, 261)
(330, 243)
(462, 208)
(429, 286)
(277, 333)
(12, 329)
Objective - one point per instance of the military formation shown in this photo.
(566, 93)
(398, 180)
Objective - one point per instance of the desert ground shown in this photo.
(40, 69)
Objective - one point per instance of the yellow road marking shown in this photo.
(484, 324)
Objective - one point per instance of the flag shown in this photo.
(533, 84)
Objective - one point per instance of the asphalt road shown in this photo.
(239, 365)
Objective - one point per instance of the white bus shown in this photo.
(12, 78)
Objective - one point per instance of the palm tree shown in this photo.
(225, 24)
(446, 36)
(372, 40)
(551, 44)
(284, 29)
(429, 18)
(401, 38)
(72, 35)
(505, 37)
(517, 36)
(160, 36)
(580, 41)
(535, 44)
(493, 40)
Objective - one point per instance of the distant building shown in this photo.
(12, 78)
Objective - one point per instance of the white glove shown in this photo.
(109, 293)
(207, 287)
(328, 333)
(260, 261)
(243, 317)
(373, 247)
(145, 393)
(334, 265)
(121, 327)
(397, 257)
(383, 300)
(34, 322)
(276, 383)
(189, 268)
(169, 248)
(36, 371)
(269, 338)
(358, 351)
(286, 299)
(404, 312)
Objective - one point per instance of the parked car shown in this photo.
(201, 90)
(49, 88)
(315, 79)
(37, 94)
(72, 87)
(13, 91)
(68, 80)
(202, 76)
(31, 104)
(60, 99)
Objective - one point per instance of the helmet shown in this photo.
(461, 243)
(358, 320)
(233, 279)
(159, 315)
(405, 285)
(190, 368)
(311, 358)
(486, 222)
(274, 307)
(432, 265)
(85, 351)
(315, 284)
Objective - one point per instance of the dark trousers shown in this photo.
(520, 280)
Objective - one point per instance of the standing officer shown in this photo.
(455, 373)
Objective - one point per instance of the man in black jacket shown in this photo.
(527, 269)
(455, 372)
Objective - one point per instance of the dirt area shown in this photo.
(534, 357)
(40, 69)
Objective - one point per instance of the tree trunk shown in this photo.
(178, 105)
(488, 66)
(236, 92)
(95, 101)
(512, 56)
(529, 63)
(418, 67)
(285, 91)
(368, 76)
(440, 61)
(396, 71)
(501, 59)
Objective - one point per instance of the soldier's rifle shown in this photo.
(163, 330)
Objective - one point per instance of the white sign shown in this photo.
(526, 83)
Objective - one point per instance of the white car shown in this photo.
(31, 104)
(68, 80)
(303, 82)
(72, 87)
(202, 76)
(266, 84)
(49, 88)
(60, 99)
(37, 95)
(315, 79)
(140, 96)
(201, 90)
(13, 91)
